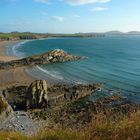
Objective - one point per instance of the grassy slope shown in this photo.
(37, 35)
(14, 34)
(6, 36)
(100, 129)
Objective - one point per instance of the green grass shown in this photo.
(9, 36)
(13, 35)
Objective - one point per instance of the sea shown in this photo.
(113, 61)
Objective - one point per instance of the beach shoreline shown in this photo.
(12, 77)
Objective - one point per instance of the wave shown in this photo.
(53, 74)
(13, 49)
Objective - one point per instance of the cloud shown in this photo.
(97, 9)
(57, 18)
(83, 2)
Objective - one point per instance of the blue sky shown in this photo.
(69, 16)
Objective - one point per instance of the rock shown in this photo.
(60, 94)
(50, 57)
(5, 109)
(16, 97)
(21, 122)
(37, 95)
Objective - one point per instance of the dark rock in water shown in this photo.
(50, 57)
(68, 93)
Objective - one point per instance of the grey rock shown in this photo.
(37, 95)
(50, 57)
(5, 109)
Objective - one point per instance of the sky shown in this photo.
(69, 16)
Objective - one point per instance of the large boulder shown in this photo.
(37, 95)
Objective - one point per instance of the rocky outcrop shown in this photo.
(37, 94)
(5, 109)
(60, 94)
(50, 57)
(16, 120)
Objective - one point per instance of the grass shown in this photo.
(13, 35)
(9, 36)
(101, 128)
(116, 123)
(126, 129)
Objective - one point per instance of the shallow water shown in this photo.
(114, 61)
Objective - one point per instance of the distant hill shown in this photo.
(134, 33)
(122, 33)
(114, 33)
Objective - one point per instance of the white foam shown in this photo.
(14, 49)
(42, 38)
(80, 82)
(53, 74)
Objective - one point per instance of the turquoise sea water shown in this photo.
(114, 61)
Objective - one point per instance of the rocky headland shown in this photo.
(46, 58)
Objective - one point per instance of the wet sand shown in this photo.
(12, 77)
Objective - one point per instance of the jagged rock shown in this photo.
(70, 93)
(50, 57)
(37, 94)
(5, 109)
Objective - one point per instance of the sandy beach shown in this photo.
(12, 77)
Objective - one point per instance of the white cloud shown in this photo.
(57, 18)
(82, 2)
(96, 9)
(41, 1)
(76, 16)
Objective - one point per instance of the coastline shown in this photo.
(12, 77)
